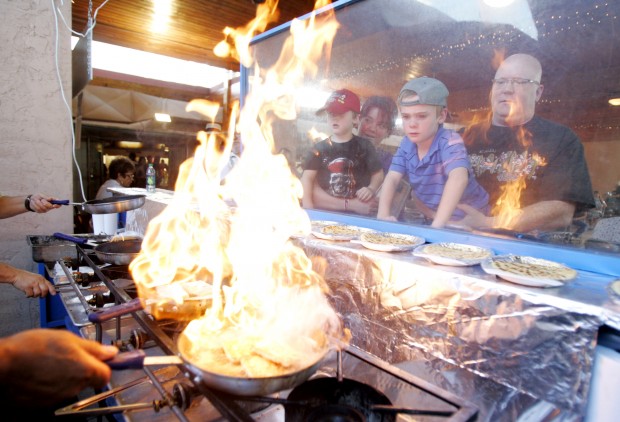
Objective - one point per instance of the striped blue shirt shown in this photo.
(429, 175)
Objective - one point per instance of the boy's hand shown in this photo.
(362, 208)
(365, 194)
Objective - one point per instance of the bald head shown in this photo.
(516, 89)
(524, 63)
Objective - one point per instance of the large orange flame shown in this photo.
(225, 246)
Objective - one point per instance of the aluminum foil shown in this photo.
(519, 353)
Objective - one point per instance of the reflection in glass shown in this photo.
(381, 44)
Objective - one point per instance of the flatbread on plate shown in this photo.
(454, 254)
(390, 242)
(529, 271)
(339, 232)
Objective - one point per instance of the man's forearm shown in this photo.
(7, 273)
(11, 206)
(545, 215)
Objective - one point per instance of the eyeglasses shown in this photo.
(130, 175)
(502, 82)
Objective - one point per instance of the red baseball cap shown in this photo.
(340, 102)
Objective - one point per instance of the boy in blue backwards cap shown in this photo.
(433, 158)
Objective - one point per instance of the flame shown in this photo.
(498, 57)
(266, 13)
(508, 207)
(316, 135)
(220, 253)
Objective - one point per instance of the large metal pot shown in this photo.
(120, 252)
(240, 386)
(107, 205)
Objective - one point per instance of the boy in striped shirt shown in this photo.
(433, 158)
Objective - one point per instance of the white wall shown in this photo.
(35, 137)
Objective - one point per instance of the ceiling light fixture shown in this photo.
(161, 17)
(129, 144)
(614, 101)
(163, 117)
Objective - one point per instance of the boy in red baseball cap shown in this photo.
(342, 172)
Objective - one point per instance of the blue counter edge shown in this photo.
(579, 259)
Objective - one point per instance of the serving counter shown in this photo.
(513, 350)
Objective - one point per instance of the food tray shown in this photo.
(51, 249)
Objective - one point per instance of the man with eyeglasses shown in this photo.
(514, 144)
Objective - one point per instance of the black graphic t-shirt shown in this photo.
(343, 168)
(547, 155)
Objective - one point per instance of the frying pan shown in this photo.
(240, 386)
(120, 252)
(107, 205)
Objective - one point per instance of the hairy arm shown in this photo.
(41, 367)
(544, 215)
(11, 206)
(33, 285)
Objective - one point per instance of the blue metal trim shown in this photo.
(285, 26)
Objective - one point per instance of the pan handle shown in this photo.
(127, 360)
(137, 359)
(73, 239)
(64, 202)
(115, 311)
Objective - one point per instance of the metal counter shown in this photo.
(455, 321)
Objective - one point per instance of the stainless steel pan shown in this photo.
(240, 386)
(120, 252)
(107, 205)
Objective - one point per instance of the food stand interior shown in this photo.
(461, 329)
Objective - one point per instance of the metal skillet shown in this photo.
(240, 386)
(120, 252)
(107, 205)
(116, 252)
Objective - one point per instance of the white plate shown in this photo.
(546, 267)
(349, 232)
(314, 226)
(391, 247)
(425, 252)
(614, 290)
(317, 224)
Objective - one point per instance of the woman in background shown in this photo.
(378, 117)
(122, 171)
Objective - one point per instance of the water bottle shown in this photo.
(150, 179)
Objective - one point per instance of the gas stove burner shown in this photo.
(116, 271)
(336, 412)
(329, 399)
(183, 394)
